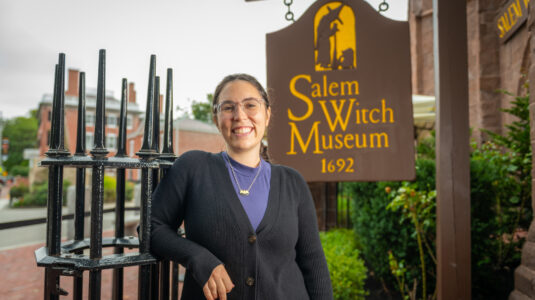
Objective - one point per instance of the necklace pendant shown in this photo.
(244, 192)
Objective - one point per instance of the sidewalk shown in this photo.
(23, 280)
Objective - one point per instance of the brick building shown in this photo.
(113, 106)
(188, 134)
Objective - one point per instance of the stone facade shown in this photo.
(525, 273)
(493, 65)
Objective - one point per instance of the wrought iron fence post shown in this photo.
(147, 152)
(97, 200)
(79, 214)
(55, 182)
(117, 289)
(168, 155)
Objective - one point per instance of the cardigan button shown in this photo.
(252, 239)
(249, 281)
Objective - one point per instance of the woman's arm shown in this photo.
(168, 207)
(310, 256)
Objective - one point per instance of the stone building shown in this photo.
(493, 64)
(500, 52)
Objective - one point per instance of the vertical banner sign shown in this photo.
(340, 82)
(511, 17)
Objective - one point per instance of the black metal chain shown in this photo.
(289, 16)
(383, 6)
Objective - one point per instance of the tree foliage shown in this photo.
(21, 133)
(202, 110)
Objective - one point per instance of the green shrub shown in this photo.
(39, 195)
(496, 216)
(129, 191)
(110, 189)
(346, 269)
(17, 192)
(381, 230)
(19, 171)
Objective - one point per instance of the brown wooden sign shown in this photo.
(340, 83)
(511, 17)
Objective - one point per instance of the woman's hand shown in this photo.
(218, 285)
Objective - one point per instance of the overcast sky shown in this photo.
(202, 40)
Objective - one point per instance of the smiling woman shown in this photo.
(251, 228)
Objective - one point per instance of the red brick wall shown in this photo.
(187, 140)
(71, 124)
(44, 127)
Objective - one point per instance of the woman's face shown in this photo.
(242, 129)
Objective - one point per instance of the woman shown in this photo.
(251, 226)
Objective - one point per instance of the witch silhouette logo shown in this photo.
(335, 45)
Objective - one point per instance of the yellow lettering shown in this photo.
(338, 139)
(330, 146)
(304, 146)
(338, 113)
(500, 27)
(348, 138)
(518, 9)
(297, 94)
(505, 22)
(346, 86)
(378, 139)
(526, 2)
(358, 144)
(374, 121)
(364, 115)
(316, 90)
(512, 15)
(385, 109)
(324, 85)
(331, 86)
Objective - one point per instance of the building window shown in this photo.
(90, 119)
(129, 122)
(49, 115)
(111, 141)
(89, 140)
(111, 121)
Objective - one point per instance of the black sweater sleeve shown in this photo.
(309, 251)
(169, 201)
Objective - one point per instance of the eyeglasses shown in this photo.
(228, 108)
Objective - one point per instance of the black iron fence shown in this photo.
(68, 258)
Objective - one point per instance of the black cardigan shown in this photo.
(283, 259)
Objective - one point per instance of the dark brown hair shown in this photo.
(240, 76)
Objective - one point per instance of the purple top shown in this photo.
(255, 203)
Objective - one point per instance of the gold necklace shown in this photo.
(242, 191)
